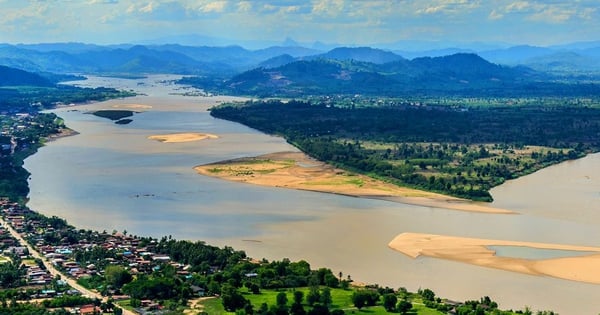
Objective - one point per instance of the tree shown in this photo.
(282, 299)
(297, 308)
(428, 295)
(359, 299)
(298, 297)
(281, 308)
(325, 296)
(404, 306)
(232, 299)
(117, 276)
(389, 302)
(313, 296)
(319, 310)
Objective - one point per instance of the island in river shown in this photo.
(296, 170)
(577, 263)
(182, 137)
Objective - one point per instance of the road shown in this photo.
(55, 272)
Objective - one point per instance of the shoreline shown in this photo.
(296, 170)
(63, 133)
(475, 251)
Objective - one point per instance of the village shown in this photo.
(49, 265)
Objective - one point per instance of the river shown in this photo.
(111, 177)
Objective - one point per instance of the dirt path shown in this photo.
(195, 306)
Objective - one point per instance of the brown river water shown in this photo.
(111, 177)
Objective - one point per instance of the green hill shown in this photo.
(16, 77)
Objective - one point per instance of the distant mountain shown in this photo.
(592, 51)
(140, 59)
(223, 62)
(277, 61)
(567, 63)
(467, 67)
(459, 73)
(294, 51)
(365, 54)
(577, 45)
(64, 47)
(16, 77)
(432, 53)
(515, 55)
(425, 45)
(236, 57)
(135, 59)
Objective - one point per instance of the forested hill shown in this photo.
(16, 77)
(22, 91)
(459, 74)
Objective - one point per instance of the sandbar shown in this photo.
(132, 106)
(583, 268)
(182, 137)
(296, 170)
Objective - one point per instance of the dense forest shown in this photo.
(460, 151)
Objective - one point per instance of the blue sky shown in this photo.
(351, 22)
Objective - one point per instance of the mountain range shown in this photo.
(463, 73)
(579, 58)
(295, 70)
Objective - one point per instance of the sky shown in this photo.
(350, 22)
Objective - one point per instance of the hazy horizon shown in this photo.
(437, 23)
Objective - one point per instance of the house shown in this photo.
(89, 309)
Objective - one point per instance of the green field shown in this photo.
(341, 299)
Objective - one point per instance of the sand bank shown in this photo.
(182, 137)
(131, 106)
(296, 170)
(474, 251)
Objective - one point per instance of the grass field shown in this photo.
(341, 299)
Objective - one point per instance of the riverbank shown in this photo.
(578, 264)
(296, 170)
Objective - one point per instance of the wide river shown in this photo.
(111, 177)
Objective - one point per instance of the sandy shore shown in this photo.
(182, 137)
(131, 106)
(583, 268)
(295, 170)
(63, 132)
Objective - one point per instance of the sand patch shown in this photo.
(182, 137)
(132, 106)
(296, 170)
(475, 251)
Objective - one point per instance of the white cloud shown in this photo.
(518, 6)
(328, 7)
(103, 2)
(588, 13)
(215, 6)
(553, 15)
(148, 8)
(495, 15)
(244, 6)
(448, 6)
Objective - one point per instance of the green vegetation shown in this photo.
(113, 114)
(368, 300)
(459, 151)
(26, 134)
(27, 99)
